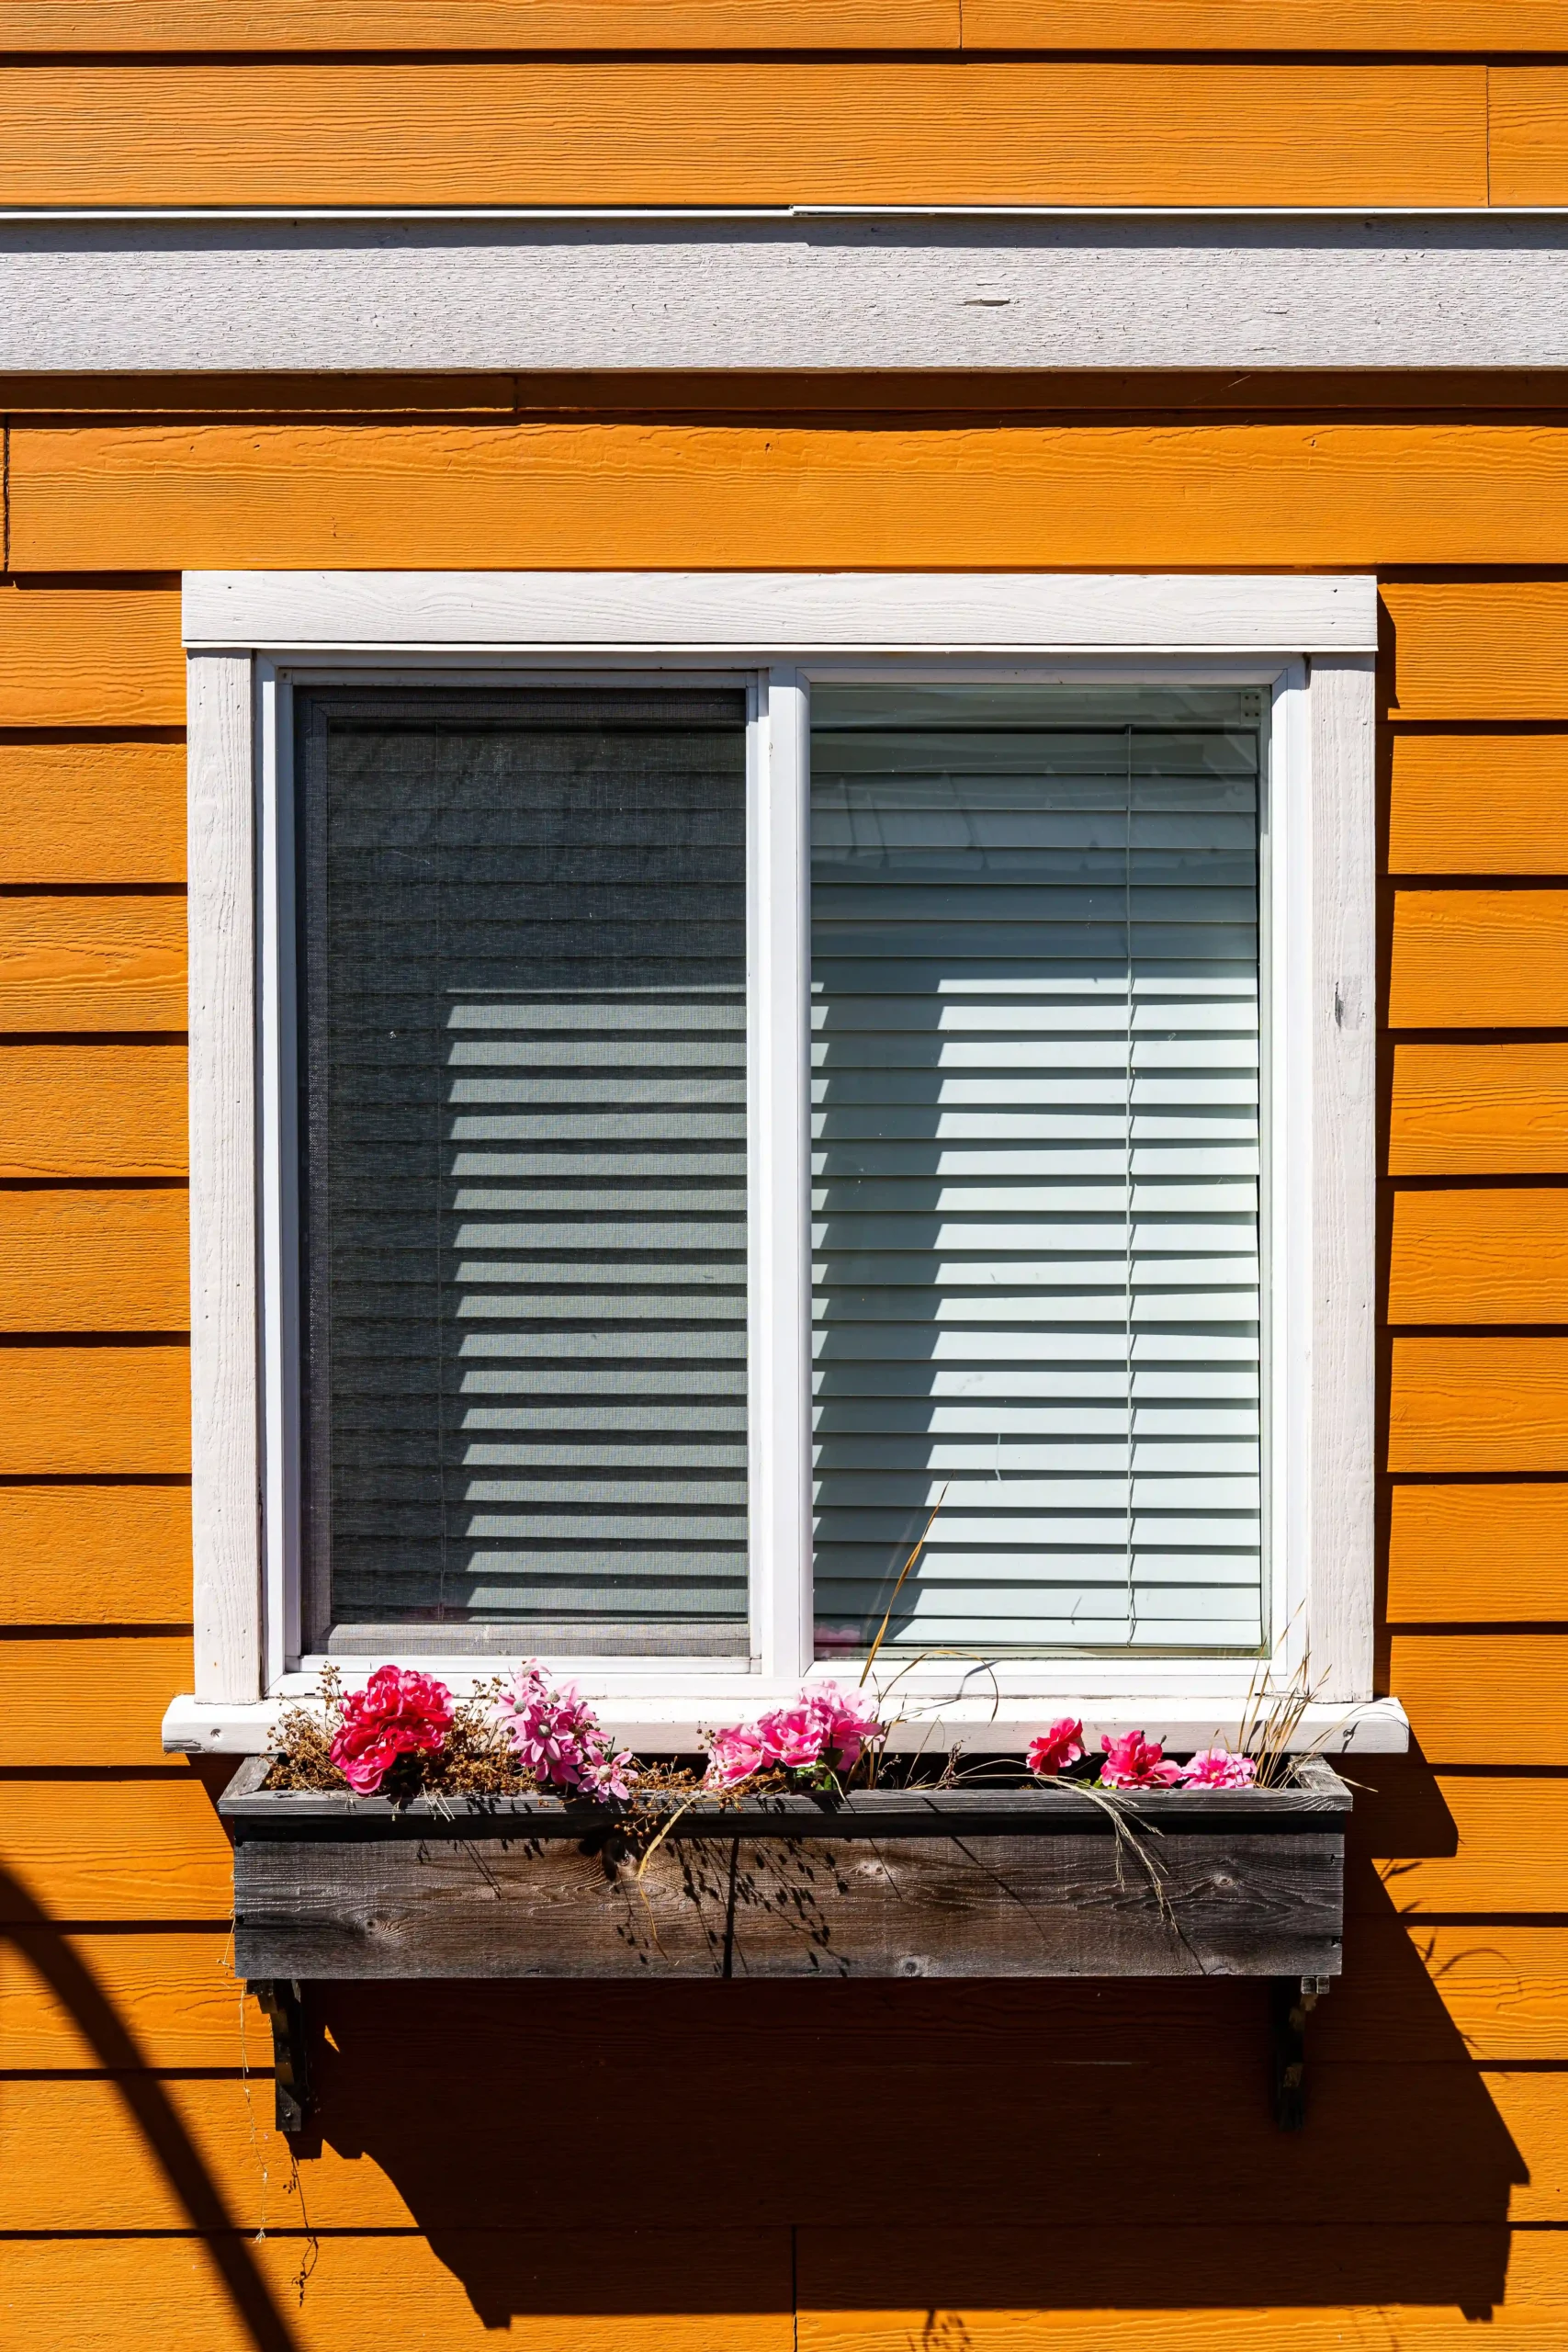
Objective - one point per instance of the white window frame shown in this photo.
(252, 638)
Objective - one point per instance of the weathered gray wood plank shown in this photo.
(1058, 1906)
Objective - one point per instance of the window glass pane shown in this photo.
(1036, 1168)
(525, 1129)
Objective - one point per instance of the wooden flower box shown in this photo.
(968, 1882)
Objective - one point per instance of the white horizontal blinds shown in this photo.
(1035, 1168)
(526, 1234)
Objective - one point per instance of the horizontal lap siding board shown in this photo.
(174, 1999)
(1478, 803)
(1528, 122)
(1467, 959)
(98, 1110)
(90, 654)
(1477, 650)
(100, 27)
(92, 811)
(649, 2290)
(1479, 1110)
(675, 132)
(1478, 1553)
(1480, 1255)
(92, 963)
(1182, 496)
(1478, 1404)
(1476, 1698)
(91, 1701)
(95, 1411)
(149, 1850)
(94, 1555)
(83, 1260)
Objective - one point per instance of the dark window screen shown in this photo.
(523, 1129)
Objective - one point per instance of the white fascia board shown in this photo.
(769, 613)
(1375, 1726)
(800, 289)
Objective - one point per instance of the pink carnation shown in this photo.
(1056, 1748)
(1134, 1762)
(792, 1737)
(397, 1711)
(1217, 1768)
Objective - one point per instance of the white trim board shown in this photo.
(765, 613)
(799, 290)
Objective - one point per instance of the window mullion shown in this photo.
(779, 1217)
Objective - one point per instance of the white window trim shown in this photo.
(1311, 641)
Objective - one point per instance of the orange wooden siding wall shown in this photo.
(844, 2168)
(820, 2167)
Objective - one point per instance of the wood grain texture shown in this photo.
(95, 1701)
(667, 131)
(1483, 1698)
(94, 1555)
(1478, 804)
(118, 1850)
(87, 655)
(1480, 1110)
(91, 812)
(1343, 995)
(671, 496)
(1051, 1905)
(92, 963)
(1477, 648)
(85, 1111)
(84, 1412)
(1475, 1844)
(1486, 1555)
(717, 2291)
(1503, 1990)
(1528, 123)
(175, 1996)
(1387, 25)
(1480, 1257)
(342, 2189)
(86, 1260)
(1478, 1404)
(1479, 959)
(259, 27)
(104, 27)
(226, 1470)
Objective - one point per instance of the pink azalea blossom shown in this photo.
(1055, 1750)
(792, 1737)
(1134, 1762)
(851, 1723)
(1218, 1768)
(397, 1713)
(557, 1736)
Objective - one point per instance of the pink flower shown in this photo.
(793, 1736)
(1217, 1768)
(734, 1754)
(557, 1736)
(1056, 1748)
(825, 1727)
(851, 1723)
(1134, 1762)
(396, 1712)
(609, 1775)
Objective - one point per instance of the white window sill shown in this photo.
(675, 1721)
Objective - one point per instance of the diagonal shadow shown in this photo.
(67, 1974)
